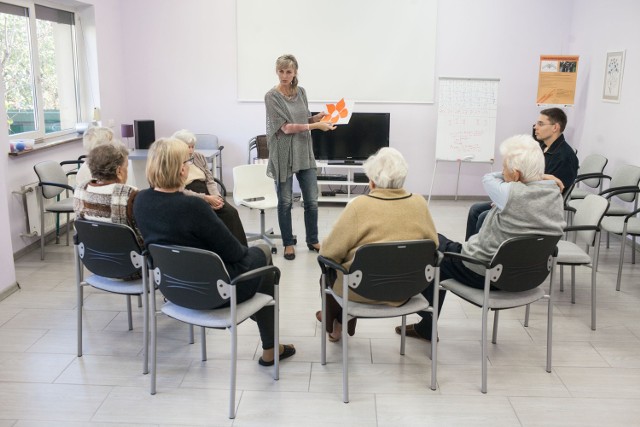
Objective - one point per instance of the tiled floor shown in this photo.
(595, 379)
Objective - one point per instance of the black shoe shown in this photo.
(291, 255)
(314, 248)
(289, 351)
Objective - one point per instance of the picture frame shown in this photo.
(614, 68)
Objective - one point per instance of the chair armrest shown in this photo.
(570, 209)
(582, 228)
(614, 191)
(467, 259)
(584, 176)
(328, 262)
(56, 184)
(252, 274)
(632, 214)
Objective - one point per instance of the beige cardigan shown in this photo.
(384, 215)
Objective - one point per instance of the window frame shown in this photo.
(39, 135)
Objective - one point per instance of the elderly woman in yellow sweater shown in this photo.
(388, 213)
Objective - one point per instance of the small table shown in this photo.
(138, 164)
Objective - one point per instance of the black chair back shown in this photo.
(523, 263)
(108, 249)
(393, 271)
(190, 277)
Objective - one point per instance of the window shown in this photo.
(39, 69)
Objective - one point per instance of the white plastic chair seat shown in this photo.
(570, 253)
(616, 225)
(251, 182)
(356, 309)
(579, 193)
(614, 210)
(133, 287)
(218, 318)
(63, 206)
(497, 299)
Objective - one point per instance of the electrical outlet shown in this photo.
(111, 123)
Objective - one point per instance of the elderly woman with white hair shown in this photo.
(387, 213)
(200, 183)
(525, 202)
(94, 136)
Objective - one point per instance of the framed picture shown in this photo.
(613, 76)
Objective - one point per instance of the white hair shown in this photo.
(185, 136)
(387, 168)
(523, 153)
(96, 135)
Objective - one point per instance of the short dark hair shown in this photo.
(556, 115)
(104, 160)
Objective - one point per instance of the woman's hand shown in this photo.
(556, 180)
(216, 202)
(317, 117)
(323, 126)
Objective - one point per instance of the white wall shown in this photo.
(175, 62)
(602, 127)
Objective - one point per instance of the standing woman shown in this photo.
(289, 123)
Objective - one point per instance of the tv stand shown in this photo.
(327, 188)
(343, 162)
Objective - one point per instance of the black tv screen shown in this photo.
(365, 134)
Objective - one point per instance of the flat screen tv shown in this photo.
(354, 142)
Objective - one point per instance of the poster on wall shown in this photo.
(557, 78)
(613, 76)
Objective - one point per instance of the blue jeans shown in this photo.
(477, 214)
(308, 181)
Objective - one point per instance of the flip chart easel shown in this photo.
(459, 161)
(466, 132)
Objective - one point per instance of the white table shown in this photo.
(138, 164)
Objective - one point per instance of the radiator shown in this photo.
(29, 194)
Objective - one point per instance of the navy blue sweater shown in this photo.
(177, 219)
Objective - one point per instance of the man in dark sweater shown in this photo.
(560, 160)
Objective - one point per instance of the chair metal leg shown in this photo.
(496, 313)
(550, 321)
(203, 342)
(192, 339)
(403, 335)
(573, 284)
(621, 260)
(561, 278)
(434, 329)
(139, 301)
(593, 289)
(153, 344)
(234, 362)
(633, 252)
(41, 226)
(485, 314)
(526, 315)
(345, 346)
(80, 299)
(276, 332)
(323, 324)
(129, 316)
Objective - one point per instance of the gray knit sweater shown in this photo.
(533, 208)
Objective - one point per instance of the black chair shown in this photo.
(513, 278)
(113, 256)
(390, 271)
(199, 292)
(258, 143)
